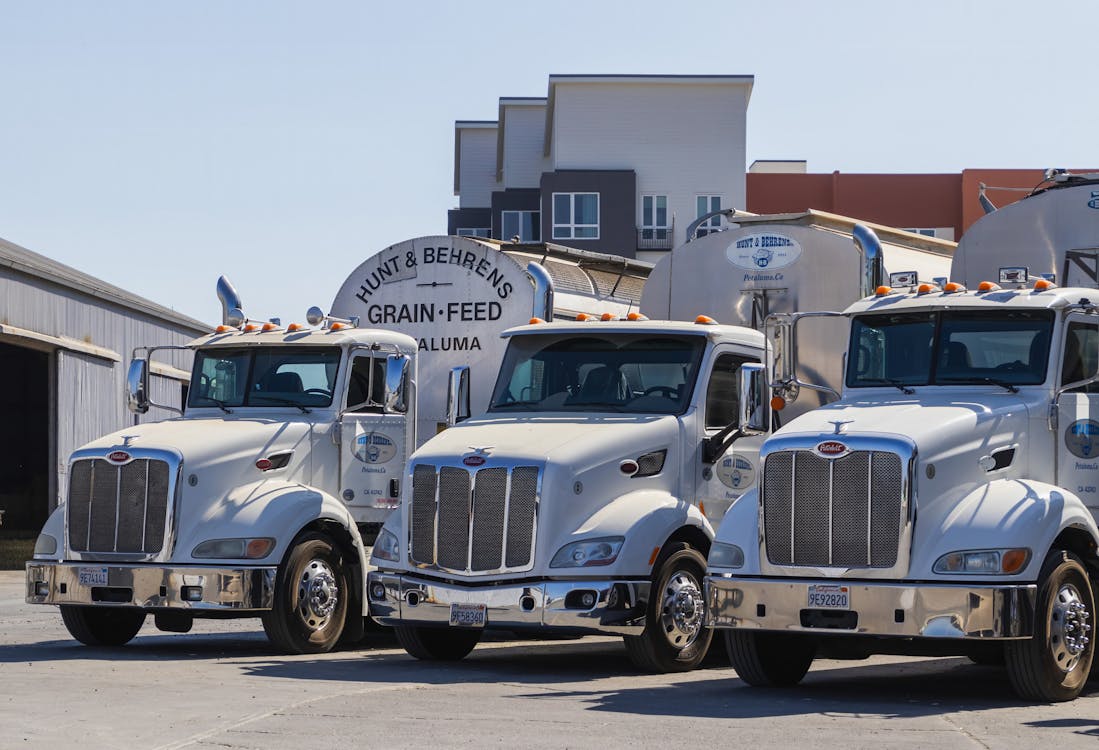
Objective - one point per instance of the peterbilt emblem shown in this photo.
(832, 449)
(474, 460)
(118, 457)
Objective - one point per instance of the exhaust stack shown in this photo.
(230, 300)
(873, 266)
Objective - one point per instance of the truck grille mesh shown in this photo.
(844, 512)
(473, 522)
(118, 508)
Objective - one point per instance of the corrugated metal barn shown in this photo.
(65, 343)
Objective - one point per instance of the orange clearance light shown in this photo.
(924, 289)
(536, 321)
(294, 327)
(883, 290)
(987, 286)
(952, 287)
(636, 316)
(705, 320)
(337, 327)
(583, 316)
(607, 316)
(269, 327)
(222, 329)
(778, 403)
(251, 327)
(1043, 284)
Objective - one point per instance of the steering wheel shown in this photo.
(667, 390)
(321, 391)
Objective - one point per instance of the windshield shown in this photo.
(598, 373)
(264, 376)
(1002, 347)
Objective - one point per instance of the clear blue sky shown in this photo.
(157, 145)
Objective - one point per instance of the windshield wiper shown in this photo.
(286, 401)
(895, 383)
(612, 405)
(219, 404)
(975, 380)
(513, 404)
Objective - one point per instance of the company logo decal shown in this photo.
(736, 473)
(474, 460)
(1082, 438)
(763, 251)
(832, 449)
(1094, 202)
(118, 457)
(374, 448)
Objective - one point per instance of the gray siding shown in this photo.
(617, 197)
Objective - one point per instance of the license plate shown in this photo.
(829, 597)
(467, 615)
(92, 576)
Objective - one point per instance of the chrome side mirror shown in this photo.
(457, 396)
(396, 376)
(753, 408)
(137, 386)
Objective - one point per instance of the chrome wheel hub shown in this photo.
(681, 609)
(1069, 628)
(318, 594)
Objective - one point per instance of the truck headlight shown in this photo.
(724, 555)
(589, 553)
(45, 545)
(984, 561)
(387, 546)
(234, 549)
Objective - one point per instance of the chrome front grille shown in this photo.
(118, 508)
(473, 521)
(842, 512)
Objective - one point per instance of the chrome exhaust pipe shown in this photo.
(873, 265)
(230, 300)
(543, 291)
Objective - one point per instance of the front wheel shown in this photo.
(311, 595)
(765, 659)
(437, 644)
(1053, 664)
(675, 638)
(102, 626)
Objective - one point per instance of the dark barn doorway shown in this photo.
(24, 444)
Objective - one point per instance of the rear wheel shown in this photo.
(437, 644)
(768, 659)
(1053, 664)
(102, 626)
(311, 595)
(675, 638)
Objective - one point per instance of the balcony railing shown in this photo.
(655, 238)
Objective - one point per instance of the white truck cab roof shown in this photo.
(715, 331)
(995, 298)
(306, 337)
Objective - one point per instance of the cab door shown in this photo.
(736, 470)
(373, 442)
(1078, 411)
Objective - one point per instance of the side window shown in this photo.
(366, 385)
(1081, 355)
(721, 393)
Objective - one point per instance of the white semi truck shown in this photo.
(584, 499)
(262, 498)
(946, 502)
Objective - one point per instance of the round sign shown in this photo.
(374, 448)
(736, 473)
(1082, 438)
(763, 251)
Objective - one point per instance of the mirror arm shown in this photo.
(715, 446)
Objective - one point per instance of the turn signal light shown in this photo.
(778, 403)
(705, 320)
(1013, 560)
(883, 290)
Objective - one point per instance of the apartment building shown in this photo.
(611, 163)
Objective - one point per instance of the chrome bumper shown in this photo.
(902, 610)
(618, 608)
(194, 588)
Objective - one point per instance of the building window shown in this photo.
(474, 232)
(654, 217)
(704, 204)
(526, 225)
(576, 216)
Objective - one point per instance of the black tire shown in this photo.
(311, 597)
(766, 659)
(102, 626)
(675, 638)
(437, 644)
(1053, 664)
